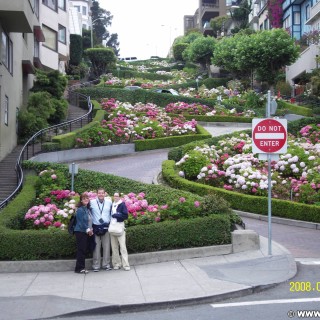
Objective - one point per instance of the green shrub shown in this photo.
(193, 165)
(292, 108)
(214, 204)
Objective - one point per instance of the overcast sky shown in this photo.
(146, 27)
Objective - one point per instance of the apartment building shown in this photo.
(83, 8)
(207, 10)
(34, 34)
(300, 18)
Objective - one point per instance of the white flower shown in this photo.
(181, 174)
(302, 164)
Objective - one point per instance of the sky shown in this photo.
(146, 28)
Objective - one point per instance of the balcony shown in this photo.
(314, 14)
(16, 16)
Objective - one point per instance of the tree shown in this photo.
(178, 50)
(53, 82)
(217, 24)
(75, 49)
(201, 51)
(102, 60)
(274, 50)
(101, 20)
(264, 53)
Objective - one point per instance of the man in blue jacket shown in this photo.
(100, 209)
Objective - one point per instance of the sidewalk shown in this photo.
(168, 284)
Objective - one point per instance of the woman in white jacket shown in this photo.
(119, 211)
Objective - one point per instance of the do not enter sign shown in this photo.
(269, 135)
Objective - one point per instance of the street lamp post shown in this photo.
(92, 22)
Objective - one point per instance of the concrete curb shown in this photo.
(289, 222)
(140, 307)
(135, 259)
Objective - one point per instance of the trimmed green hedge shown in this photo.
(143, 96)
(294, 108)
(68, 140)
(169, 142)
(218, 118)
(238, 201)
(18, 244)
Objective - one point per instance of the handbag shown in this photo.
(116, 228)
(72, 223)
(100, 229)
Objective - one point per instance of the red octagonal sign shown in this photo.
(269, 135)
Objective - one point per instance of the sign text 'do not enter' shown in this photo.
(269, 135)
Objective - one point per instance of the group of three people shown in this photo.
(91, 230)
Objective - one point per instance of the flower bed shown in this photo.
(55, 212)
(232, 166)
(126, 122)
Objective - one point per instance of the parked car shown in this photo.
(170, 91)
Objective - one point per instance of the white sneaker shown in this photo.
(126, 268)
(116, 268)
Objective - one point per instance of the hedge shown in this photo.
(294, 108)
(68, 140)
(169, 142)
(143, 96)
(20, 244)
(238, 201)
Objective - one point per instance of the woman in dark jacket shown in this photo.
(82, 231)
(119, 211)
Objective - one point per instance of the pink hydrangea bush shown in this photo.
(126, 123)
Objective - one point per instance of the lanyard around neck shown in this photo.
(101, 210)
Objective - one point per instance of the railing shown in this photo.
(35, 143)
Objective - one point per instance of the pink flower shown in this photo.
(53, 176)
(182, 199)
(197, 204)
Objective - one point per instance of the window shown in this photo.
(286, 23)
(308, 12)
(84, 11)
(35, 7)
(62, 36)
(6, 110)
(36, 49)
(7, 52)
(51, 38)
(52, 4)
(62, 4)
(78, 8)
(296, 18)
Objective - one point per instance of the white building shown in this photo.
(34, 34)
(83, 7)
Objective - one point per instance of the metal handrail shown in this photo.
(31, 141)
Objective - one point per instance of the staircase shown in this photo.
(8, 180)
(8, 177)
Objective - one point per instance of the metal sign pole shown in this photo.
(269, 183)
